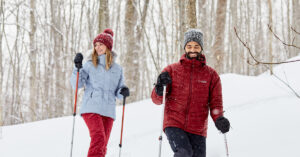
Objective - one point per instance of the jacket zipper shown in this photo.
(189, 99)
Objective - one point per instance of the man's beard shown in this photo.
(189, 53)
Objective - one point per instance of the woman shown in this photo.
(103, 81)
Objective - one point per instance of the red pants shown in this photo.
(99, 128)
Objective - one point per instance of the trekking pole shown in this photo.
(120, 145)
(226, 145)
(162, 121)
(74, 112)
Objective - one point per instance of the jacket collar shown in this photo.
(101, 59)
(189, 62)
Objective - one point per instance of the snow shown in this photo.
(263, 112)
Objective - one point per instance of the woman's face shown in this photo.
(100, 48)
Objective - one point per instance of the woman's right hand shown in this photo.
(78, 60)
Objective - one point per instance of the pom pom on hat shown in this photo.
(109, 31)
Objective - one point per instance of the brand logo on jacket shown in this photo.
(202, 81)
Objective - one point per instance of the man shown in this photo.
(193, 89)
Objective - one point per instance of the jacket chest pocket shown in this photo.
(201, 79)
(201, 89)
(179, 81)
(201, 83)
(114, 78)
(97, 76)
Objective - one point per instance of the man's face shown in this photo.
(192, 49)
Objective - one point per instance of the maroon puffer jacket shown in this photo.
(195, 89)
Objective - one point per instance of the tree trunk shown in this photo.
(1, 66)
(58, 83)
(233, 42)
(296, 25)
(270, 37)
(289, 39)
(218, 46)
(164, 33)
(203, 22)
(103, 14)
(139, 48)
(191, 14)
(259, 39)
(182, 25)
(32, 58)
(131, 63)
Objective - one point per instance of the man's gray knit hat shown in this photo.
(193, 35)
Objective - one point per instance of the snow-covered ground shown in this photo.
(264, 114)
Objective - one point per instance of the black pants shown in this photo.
(186, 144)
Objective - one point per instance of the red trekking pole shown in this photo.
(74, 112)
(120, 145)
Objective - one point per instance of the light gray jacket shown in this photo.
(102, 87)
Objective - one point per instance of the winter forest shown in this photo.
(39, 40)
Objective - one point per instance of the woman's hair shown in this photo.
(108, 59)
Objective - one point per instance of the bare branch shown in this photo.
(16, 24)
(151, 52)
(276, 36)
(257, 61)
(56, 29)
(295, 30)
(296, 94)
(285, 83)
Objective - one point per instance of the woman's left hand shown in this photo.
(125, 91)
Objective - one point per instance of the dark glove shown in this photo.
(78, 60)
(163, 79)
(159, 90)
(222, 124)
(125, 91)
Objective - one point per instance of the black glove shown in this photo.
(78, 60)
(222, 124)
(125, 91)
(163, 79)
